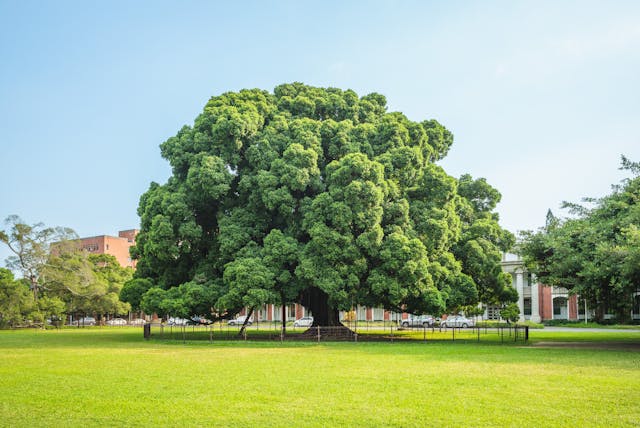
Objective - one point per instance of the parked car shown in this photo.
(198, 320)
(117, 321)
(239, 321)
(303, 322)
(138, 321)
(418, 321)
(177, 321)
(55, 321)
(84, 321)
(457, 321)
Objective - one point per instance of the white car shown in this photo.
(117, 321)
(457, 321)
(303, 322)
(84, 321)
(138, 321)
(177, 321)
(239, 321)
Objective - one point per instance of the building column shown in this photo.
(535, 297)
(520, 290)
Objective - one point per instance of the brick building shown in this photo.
(117, 246)
(538, 302)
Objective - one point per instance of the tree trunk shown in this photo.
(246, 321)
(599, 312)
(34, 287)
(284, 317)
(318, 303)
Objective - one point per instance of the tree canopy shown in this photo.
(62, 277)
(30, 245)
(320, 197)
(596, 252)
(16, 302)
(86, 283)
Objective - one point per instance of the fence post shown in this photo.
(318, 329)
(478, 328)
(147, 331)
(526, 333)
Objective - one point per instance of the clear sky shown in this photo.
(542, 96)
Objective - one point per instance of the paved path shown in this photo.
(578, 329)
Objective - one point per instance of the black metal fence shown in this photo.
(220, 332)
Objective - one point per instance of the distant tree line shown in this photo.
(58, 277)
(595, 253)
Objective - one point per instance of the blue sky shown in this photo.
(542, 96)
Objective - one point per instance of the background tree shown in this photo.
(30, 245)
(133, 290)
(86, 283)
(595, 253)
(16, 302)
(510, 312)
(320, 197)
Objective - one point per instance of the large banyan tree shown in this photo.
(319, 197)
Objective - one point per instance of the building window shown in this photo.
(493, 312)
(292, 311)
(107, 247)
(91, 247)
(527, 307)
(362, 313)
(560, 307)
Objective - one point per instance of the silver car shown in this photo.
(457, 321)
(240, 321)
(418, 321)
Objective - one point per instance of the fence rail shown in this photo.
(212, 333)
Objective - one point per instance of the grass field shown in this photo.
(112, 377)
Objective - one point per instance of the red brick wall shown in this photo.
(369, 314)
(545, 302)
(119, 248)
(116, 246)
(129, 235)
(573, 307)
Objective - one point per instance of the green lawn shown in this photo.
(112, 377)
